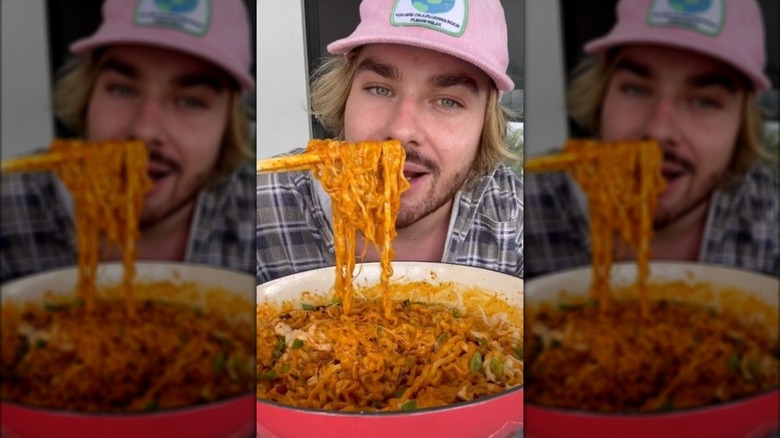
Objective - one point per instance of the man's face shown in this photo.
(177, 104)
(434, 104)
(691, 104)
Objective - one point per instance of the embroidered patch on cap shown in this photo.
(448, 16)
(703, 16)
(191, 16)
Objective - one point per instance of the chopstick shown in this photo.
(550, 162)
(31, 163)
(560, 161)
(288, 163)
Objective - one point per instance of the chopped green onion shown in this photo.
(518, 352)
(400, 391)
(732, 364)
(409, 405)
(305, 306)
(379, 330)
(219, 362)
(475, 364)
(270, 375)
(482, 341)
(570, 306)
(55, 307)
(297, 344)
(280, 344)
(497, 368)
(441, 339)
(285, 367)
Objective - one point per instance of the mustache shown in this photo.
(412, 156)
(157, 157)
(673, 157)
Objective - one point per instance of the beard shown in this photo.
(440, 193)
(151, 217)
(672, 214)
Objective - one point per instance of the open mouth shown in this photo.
(156, 175)
(411, 176)
(671, 175)
(671, 170)
(158, 171)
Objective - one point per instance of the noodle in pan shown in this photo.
(132, 346)
(393, 346)
(645, 346)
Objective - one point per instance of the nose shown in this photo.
(405, 121)
(662, 121)
(147, 123)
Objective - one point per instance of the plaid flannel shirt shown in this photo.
(38, 231)
(295, 235)
(741, 228)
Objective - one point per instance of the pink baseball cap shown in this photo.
(731, 31)
(475, 33)
(216, 31)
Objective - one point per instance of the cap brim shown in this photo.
(218, 58)
(343, 46)
(599, 46)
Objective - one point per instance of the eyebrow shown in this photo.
(454, 80)
(187, 80)
(701, 80)
(438, 81)
(387, 71)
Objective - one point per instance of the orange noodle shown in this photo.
(392, 346)
(88, 351)
(593, 354)
(365, 182)
(445, 344)
(108, 181)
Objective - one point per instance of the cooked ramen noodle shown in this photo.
(365, 182)
(689, 354)
(394, 346)
(637, 354)
(177, 353)
(446, 344)
(88, 351)
(108, 181)
(622, 182)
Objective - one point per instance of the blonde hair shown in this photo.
(73, 89)
(331, 84)
(589, 85)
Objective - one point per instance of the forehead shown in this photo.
(663, 62)
(405, 57)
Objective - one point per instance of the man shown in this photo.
(688, 77)
(172, 77)
(436, 89)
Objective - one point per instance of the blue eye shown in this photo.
(706, 102)
(634, 90)
(192, 103)
(449, 103)
(120, 90)
(379, 91)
